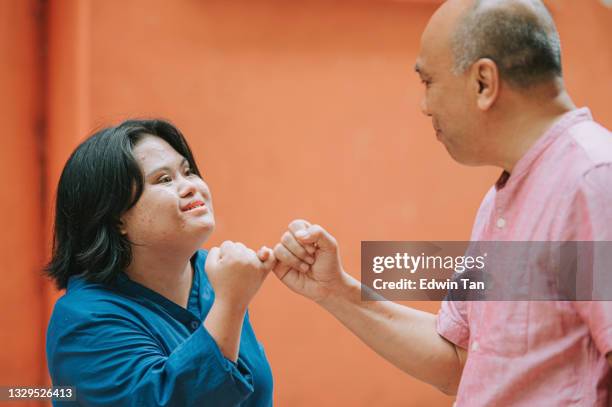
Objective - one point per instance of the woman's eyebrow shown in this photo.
(166, 168)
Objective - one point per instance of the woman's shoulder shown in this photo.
(85, 300)
(87, 311)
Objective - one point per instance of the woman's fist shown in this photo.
(236, 272)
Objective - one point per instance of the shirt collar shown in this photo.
(558, 128)
(142, 294)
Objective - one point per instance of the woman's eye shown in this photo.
(164, 179)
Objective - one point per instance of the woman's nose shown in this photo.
(187, 187)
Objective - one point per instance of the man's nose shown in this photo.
(423, 106)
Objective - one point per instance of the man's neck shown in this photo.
(164, 273)
(526, 124)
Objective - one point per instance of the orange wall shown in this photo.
(295, 109)
(22, 305)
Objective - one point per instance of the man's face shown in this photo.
(447, 99)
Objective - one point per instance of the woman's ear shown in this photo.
(122, 228)
(485, 78)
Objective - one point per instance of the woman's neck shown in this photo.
(163, 273)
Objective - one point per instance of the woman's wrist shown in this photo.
(229, 308)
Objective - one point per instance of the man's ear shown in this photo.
(484, 76)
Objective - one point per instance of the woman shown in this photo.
(147, 318)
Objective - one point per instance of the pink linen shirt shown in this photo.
(541, 353)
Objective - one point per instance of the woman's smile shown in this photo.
(196, 207)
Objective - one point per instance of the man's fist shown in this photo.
(309, 261)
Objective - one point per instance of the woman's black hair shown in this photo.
(100, 181)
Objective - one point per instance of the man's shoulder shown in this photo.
(593, 142)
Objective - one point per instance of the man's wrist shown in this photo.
(347, 289)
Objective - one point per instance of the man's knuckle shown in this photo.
(280, 253)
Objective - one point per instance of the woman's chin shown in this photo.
(203, 231)
(189, 240)
(201, 224)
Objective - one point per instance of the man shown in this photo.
(494, 91)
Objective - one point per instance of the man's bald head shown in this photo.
(518, 35)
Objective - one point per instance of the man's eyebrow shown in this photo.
(166, 168)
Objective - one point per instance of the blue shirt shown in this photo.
(128, 345)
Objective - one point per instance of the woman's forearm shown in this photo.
(224, 323)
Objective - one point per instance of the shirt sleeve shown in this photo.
(452, 320)
(452, 324)
(594, 205)
(111, 361)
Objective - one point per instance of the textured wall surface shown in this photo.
(294, 109)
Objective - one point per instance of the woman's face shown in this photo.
(175, 209)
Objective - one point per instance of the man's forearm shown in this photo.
(404, 336)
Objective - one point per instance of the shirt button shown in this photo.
(195, 324)
(474, 345)
(501, 222)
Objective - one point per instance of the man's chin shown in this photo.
(466, 160)
(459, 157)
